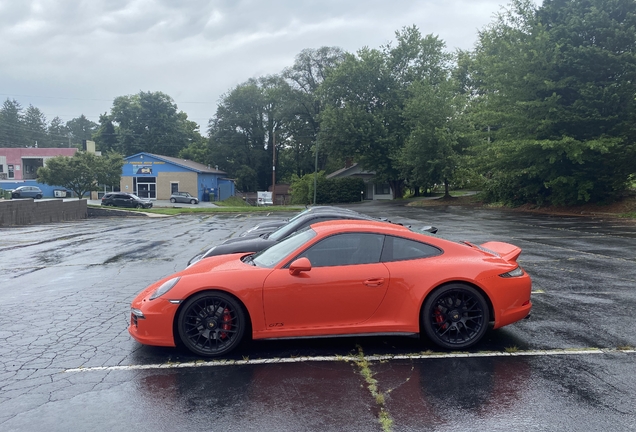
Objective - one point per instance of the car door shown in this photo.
(345, 286)
(122, 200)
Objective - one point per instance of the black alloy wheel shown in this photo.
(173, 200)
(455, 316)
(211, 323)
(38, 196)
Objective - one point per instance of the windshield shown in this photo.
(271, 256)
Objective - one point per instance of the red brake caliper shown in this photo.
(439, 319)
(226, 322)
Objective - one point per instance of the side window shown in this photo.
(345, 249)
(399, 249)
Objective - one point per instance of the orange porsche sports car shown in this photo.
(338, 278)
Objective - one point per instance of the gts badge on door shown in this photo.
(277, 325)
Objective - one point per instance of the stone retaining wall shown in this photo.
(30, 212)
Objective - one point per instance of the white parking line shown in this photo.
(423, 355)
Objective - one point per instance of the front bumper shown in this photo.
(151, 322)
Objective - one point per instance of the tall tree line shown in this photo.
(542, 110)
(28, 127)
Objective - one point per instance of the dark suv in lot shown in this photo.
(122, 199)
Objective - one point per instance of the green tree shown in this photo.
(361, 120)
(106, 136)
(82, 173)
(57, 133)
(439, 134)
(11, 125)
(80, 129)
(367, 93)
(304, 106)
(556, 89)
(147, 121)
(35, 127)
(247, 122)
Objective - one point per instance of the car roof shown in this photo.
(338, 225)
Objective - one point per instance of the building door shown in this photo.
(369, 192)
(145, 187)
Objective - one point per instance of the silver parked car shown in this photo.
(183, 197)
(27, 192)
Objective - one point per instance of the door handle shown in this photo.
(375, 282)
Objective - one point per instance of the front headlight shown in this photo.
(165, 287)
(513, 273)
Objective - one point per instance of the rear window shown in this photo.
(401, 249)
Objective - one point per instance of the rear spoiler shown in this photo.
(507, 251)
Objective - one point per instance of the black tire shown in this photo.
(193, 201)
(172, 200)
(38, 196)
(455, 316)
(139, 206)
(211, 324)
(15, 195)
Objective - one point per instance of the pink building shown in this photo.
(23, 163)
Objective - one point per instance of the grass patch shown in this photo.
(372, 384)
(624, 348)
(512, 349)
(233, 202)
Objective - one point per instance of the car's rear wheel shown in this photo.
(38, 196)
(193, 201)
(172, 200)
(211, 324)
(455, 316)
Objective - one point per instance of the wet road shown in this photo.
(67, 362)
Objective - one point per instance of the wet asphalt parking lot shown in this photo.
(68, 363)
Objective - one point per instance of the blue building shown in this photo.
(157, 177)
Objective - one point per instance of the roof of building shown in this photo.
(350, 170)
(185, 163)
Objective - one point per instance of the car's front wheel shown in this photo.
(38, 196)
(193, 201)
(211, 323)
(173, 200)
(139, 206)
(455, 316)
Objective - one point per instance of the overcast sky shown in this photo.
(73, 57)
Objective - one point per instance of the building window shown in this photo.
(1, 168)
(382, 189)
(11, 173)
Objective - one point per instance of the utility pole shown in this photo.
(274, 167)
(315, 172)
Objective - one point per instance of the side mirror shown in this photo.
(430, 229)
(300, 265)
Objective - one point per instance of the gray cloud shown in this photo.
(72, 57)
